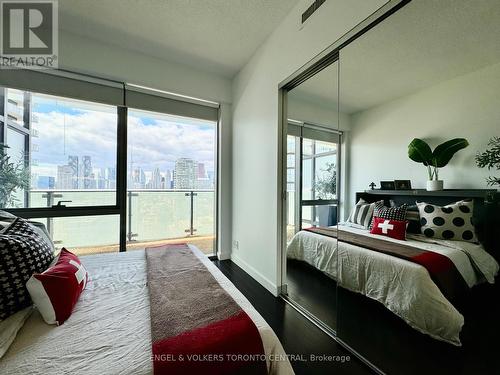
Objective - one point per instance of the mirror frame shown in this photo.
(321, 61)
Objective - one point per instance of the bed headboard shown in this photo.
(484, 216)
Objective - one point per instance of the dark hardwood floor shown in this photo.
(296, 333)
(396, 348)
(313, 290)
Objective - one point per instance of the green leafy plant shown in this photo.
(490, 159)
(326, 185)
(420, 152)
(13, 175)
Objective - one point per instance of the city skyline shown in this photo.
(79, 174)
(74, 146)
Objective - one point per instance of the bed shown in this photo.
(404, 287)
(110, 329)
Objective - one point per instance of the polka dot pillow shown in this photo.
(451, 222)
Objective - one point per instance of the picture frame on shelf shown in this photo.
(402, 184)
(387, 185)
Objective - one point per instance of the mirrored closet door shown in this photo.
(418, 259)
(313, 175)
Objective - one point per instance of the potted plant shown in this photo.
(420, 152)
(326, 188)
(491, 159)
(13, 175)
(488, 232)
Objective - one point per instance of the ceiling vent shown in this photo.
(312, 8)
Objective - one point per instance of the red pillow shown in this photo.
(391, 228)
(56, 290)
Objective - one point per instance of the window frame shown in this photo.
(120, 206)
(295, 129)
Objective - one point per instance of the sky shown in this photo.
(77, 128)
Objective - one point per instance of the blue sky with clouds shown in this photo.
(68, 127)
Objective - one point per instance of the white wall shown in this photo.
(466, 107)
(255, 127)
(84, 55)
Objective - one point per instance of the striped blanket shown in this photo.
(441, 269)
(196, 327)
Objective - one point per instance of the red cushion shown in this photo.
(391, 228)
(56, 291)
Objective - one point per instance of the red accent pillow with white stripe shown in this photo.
(391, 228)
(56, 290)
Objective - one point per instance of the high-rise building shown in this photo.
(211, 177)
(201, 171)
(185, 173)
(87, 172)
(203, 183)
(156, 179)
(46, 182)
(64, 177)
(138, 178)
(168, 180)
(75, 168)
(110, 178)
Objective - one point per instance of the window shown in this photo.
(67, 148)
(313, 178)
(171, 180)
(65, 161)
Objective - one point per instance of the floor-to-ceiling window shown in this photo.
(313, 160)
(65, 161)
(171, 180)
(57, 153)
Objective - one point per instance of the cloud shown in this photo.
(154, 141)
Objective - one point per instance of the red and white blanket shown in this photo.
(442, 270)
(196, 327)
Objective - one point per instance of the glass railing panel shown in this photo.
(156, 216)
(203, 221)
(84, 235)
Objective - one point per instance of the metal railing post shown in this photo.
(130, 234)
(191, 229)
(50, 221)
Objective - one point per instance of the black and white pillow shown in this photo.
(23, 251)
(362, 213)
(412, 216)
(451, 222)
(390, 213)
(6, 219)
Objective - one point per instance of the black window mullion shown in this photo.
(121, 175)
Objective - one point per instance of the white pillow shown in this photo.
(10, 326)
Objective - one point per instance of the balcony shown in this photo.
(153, 217)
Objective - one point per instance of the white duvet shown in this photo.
(404, 287)
(109, 331)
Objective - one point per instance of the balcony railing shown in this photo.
(153, 216)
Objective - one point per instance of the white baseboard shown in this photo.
(261, 279)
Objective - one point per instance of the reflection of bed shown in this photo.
(109, 330)
(404, 287)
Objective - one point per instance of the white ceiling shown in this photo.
(218, 36)
(423, 44)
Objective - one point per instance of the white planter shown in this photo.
(434, 185)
